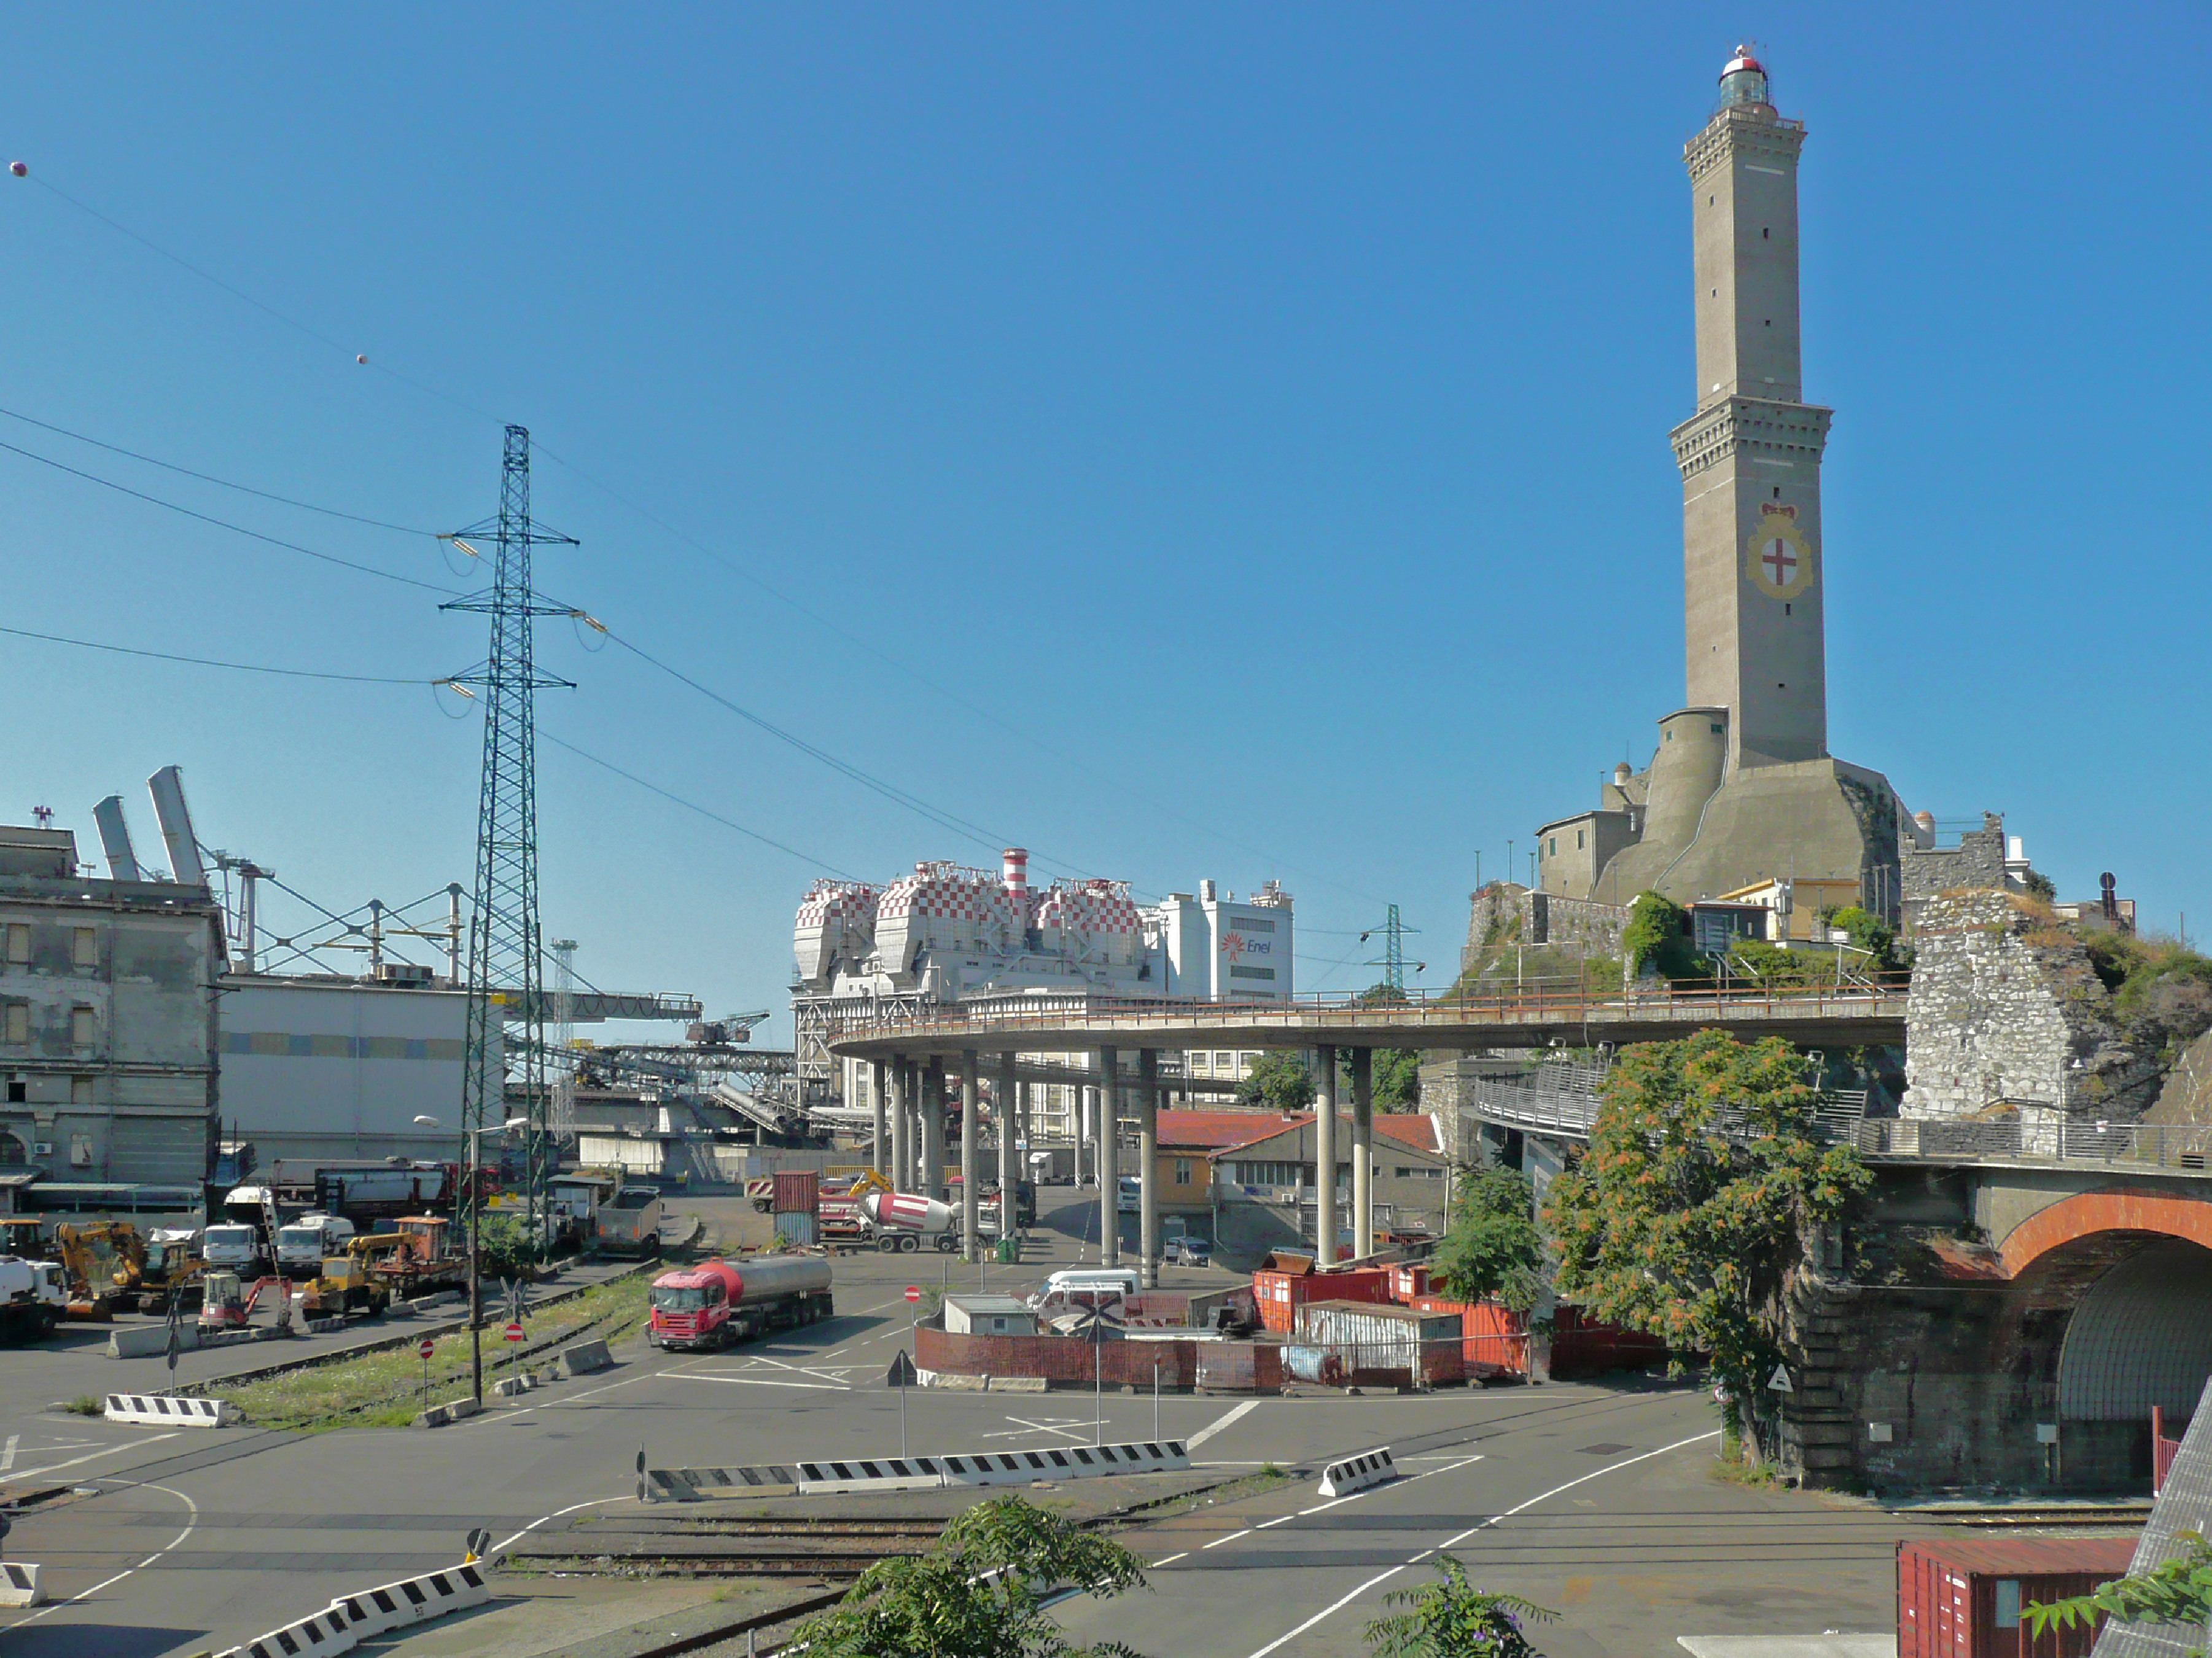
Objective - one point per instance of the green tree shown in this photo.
(2176, 1591)
(1397, 1079)
(1658, 936)
(1492, 1246)
(1693, 1207)
(979, 1593)
(1454, 1620)
(1277, 1082)
(502, 1246)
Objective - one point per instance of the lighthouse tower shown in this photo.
(1750, 457)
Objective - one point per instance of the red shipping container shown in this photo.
(1278, 1295)
(1492, 1340)
(796, 1194)
(1963, 1598)
(1408, 1281)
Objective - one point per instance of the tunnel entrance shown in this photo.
(2140, 1336)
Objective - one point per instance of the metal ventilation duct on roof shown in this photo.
(115, 839)
(167, 786)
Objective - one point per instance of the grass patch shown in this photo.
(385, 1390)
(1265, 1478)
(86, 1405)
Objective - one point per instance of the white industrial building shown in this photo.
(946, 933)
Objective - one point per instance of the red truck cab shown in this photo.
(692, 1307)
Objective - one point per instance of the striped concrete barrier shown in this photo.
(19, 1584)
(895, 1473)
(1357, 1473)
(352, 1619)
(162, 1411)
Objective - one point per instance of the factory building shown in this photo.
(107, 1016)
(946, 934)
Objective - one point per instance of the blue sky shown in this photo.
(1190, 442)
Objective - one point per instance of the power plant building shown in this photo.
(946, 933)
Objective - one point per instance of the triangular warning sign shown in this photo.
(901, 1372)
(1780, 1380)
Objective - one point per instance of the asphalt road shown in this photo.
(191, 1540)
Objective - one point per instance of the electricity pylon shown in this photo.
(1392, 959)
(505, 975)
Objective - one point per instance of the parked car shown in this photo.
(1189, 1252)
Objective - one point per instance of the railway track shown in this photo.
(647, 1546)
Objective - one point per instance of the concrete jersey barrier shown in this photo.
(165, 1411)
(19, 1584)
(1357, 1473)
(888, 1473)
(351, 1618)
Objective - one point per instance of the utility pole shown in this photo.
(1392, 959)
(505, 973)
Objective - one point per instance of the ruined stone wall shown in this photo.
(1978, 860)
(2006, 1010)
(1503, 912)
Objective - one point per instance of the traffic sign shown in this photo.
(914, 1292)
(513, 1331)
(902, 1373)
(1779, 1382)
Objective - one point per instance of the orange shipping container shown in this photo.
(1963, 1599)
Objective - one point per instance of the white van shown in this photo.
(1129, 1196)
(1083, 1286)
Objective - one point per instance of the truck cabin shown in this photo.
(688, 1292)
(425, 1235)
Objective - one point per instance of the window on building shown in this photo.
(1552, 847)
(19, 1022)
(1225, 1061)
(1253, 924)
(1183, 1171)
(79, 1091)
(19, 942)
(84, 947)
(1251, 972)
(18, 1092)
(1579, 839)
(84, 1028)
(1248, 1060)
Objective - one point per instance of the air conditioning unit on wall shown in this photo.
(44, 1149)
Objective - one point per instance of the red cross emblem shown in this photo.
(1781, 563)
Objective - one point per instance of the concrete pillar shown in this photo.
(971, 1139)
(1363, 1150)
(1010, 1157)
(1079, 1097)
(1325, 1155)
(1148, 1165)
(1109, 1184)
(902, 1168)
(879, 1153)
(933, 1130)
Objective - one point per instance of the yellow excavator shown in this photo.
(104, 1264)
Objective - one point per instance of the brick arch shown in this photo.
(2086, 1214)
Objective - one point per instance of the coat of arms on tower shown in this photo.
(1777, 559)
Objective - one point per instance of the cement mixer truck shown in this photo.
(720, 1302)
(906, 1220)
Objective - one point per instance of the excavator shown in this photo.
(105, 1265)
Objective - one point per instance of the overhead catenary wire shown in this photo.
(209, 478)
(210, 662)
(225, 524)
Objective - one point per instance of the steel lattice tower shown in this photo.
(506, 976)
(1392, 959)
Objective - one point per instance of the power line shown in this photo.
(225, 524)
(209, 478)
(210, 662)
(693, 805)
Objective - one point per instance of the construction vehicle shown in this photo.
(32, 1297)
(304, 1244)
(103, 1262)
(347, 1288)
(413, 1259)
(23, 1236)
(173, 1266)
(629, 1224)
(720, 1302)
(903, 1221)
(838, 1216)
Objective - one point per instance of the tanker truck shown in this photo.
(720, 1302)
(32, 1298)
(905, 1220)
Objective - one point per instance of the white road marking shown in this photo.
(757, 1382)
(1452, 1542)
(1170, 1560)
(1277, 1521)
(1068, 1427)
(1231, 1537)
(192, 1520)
(1219, 1423)
(8, 1453)
(93, 1456)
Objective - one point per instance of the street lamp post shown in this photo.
(473, 1142)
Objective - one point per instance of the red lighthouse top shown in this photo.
(1742, 60)
(1743, 82)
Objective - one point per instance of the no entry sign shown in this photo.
(513, 1331)
(422, 1348)
(914, 1292)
